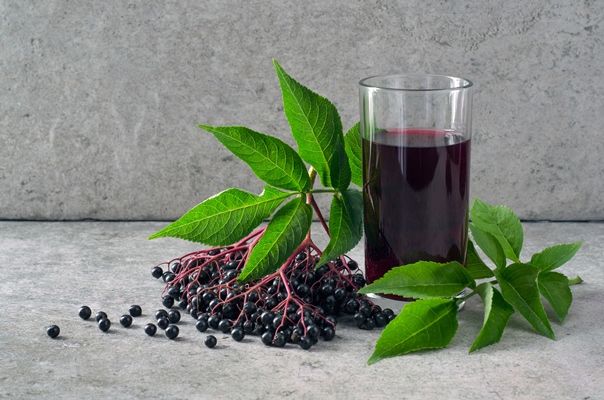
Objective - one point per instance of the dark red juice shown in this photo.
(415, 198)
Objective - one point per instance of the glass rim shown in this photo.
(464, 83)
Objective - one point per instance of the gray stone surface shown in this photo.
(99, 101)
(50, 269)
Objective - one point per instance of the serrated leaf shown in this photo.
(502, 223)
(555, 288)
(345, 224)
(423, 324)
(553, 257)
(225, 218)
(518, 284)
(284, 233)
(423, 279)
(474, 264)
(497, 312)
(489, 244)
(271, 159)
(353, 146)
(317, 129)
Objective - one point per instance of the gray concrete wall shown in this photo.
(99, 100)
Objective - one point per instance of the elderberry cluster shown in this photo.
(299, 303)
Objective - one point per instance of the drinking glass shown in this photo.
(416, 134)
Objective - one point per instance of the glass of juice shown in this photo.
(416, 135)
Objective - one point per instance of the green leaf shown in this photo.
(497, 312)
(271, 159)
(555, 288)
(474, 264)
(339, 167)
(489, 245)
(518, 284)
(353, 146)
(345, 224)
(502, 223)
(423, 279)
(423, 324)
(317, 129)
(553, 257)
(284, 233)
(224, 218)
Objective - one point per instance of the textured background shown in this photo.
(99, 101)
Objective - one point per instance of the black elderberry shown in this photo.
(167, 301)
(104, 324)
(313, 331)
(161, 314)
(174, 316)
(174, 291)
(327, 289)
(210, 341)
(231, 265)
(301, 256)
(163, 323)
(135, 310)
(126, 320)
(248, 326)
(203, 316)
(174, 265)
(214, 252)
(201, 325)
(53, 331)
(359, 318)
(328, 333)
(237, 334)
(365, 310)
(182, 304)
(172, 332)
(267, 317)
(270, 303)
(305, 343)
(168, 276)
(267, 338)
(339, 294)
(249, 308)
(100, 315)
(369, 323)
(193, 313)
(157, 272)
(224, 326)
(358, 281)
(381, 320)
(150, 329)
(297, 334)
(85, 312)
(213, 321)
(302, 289)
(280, 339)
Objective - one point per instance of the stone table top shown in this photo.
(50, 269)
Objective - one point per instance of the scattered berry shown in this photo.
(85, 312)
(135, 310)
(53, 331)
(163, 323)
(210, 341)
(202, 325)
(126, 320)
(174, 316)
(104, 324)
(161, 314)
(100, 315)
(172, 332)
(150, 329)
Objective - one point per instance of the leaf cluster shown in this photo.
(431, 321)
(287, 199)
